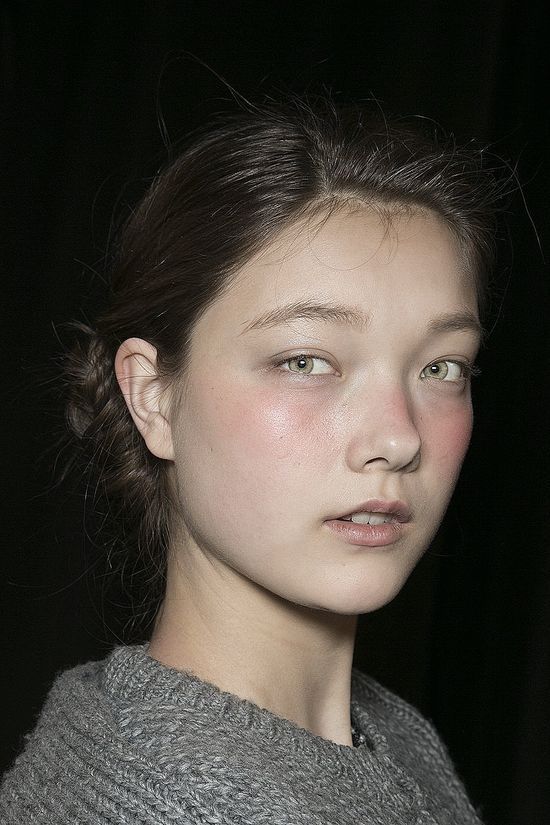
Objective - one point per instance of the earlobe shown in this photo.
(142, 388)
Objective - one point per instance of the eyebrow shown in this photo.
(356, 318)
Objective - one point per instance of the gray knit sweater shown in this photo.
(129, 740)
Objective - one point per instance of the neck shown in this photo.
(292, 659)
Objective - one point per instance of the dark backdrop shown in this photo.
(467, 639)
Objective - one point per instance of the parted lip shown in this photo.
(398, 509)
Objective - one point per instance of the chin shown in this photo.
(359, 597)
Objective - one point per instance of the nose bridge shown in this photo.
(387, 428)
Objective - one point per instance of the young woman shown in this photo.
(279, 393)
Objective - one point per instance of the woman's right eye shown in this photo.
(304, 363)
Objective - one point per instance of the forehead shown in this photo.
(409, 260)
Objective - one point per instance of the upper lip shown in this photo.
(398, 509)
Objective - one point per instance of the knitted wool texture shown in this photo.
(129, 740)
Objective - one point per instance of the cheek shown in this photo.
(447, 436)
(271, 424)
(248, 447)
(251, 441)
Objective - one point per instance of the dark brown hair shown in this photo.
(239, 181)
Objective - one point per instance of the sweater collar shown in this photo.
(133, 678)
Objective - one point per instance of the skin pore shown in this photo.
(262, 598)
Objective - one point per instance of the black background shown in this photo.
(89, 91)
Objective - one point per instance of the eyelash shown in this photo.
(470, 370)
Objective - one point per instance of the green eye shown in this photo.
(445, 370)
(449, 371)
(304, 363)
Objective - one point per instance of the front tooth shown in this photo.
(378, 518)
(369, 518)
(361, 518)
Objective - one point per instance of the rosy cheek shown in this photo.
(447, 438)
(268, 422)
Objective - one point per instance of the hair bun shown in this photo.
(89, 369)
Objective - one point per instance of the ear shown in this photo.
(144, 393)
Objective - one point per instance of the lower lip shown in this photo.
(368, 535)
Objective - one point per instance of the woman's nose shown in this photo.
(386, 432)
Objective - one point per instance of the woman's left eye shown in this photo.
(449, 371)
(304, 364)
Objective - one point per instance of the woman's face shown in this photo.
(267, 450)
